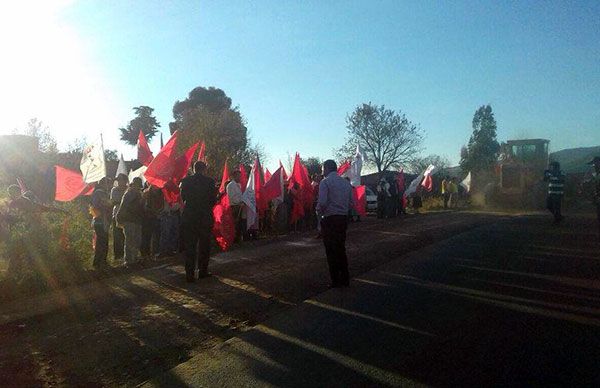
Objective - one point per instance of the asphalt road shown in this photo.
(512, 303)
(122, 329)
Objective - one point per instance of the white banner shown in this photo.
(466, 183)
(93, 165)
(122, 167)
(249, 199)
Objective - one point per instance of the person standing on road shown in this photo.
(101, 211)
(445, 191)
(116, 195)
(335, 201)
(129, 217)
(199, 195)
(556, 183)
(234, 192)
(452, 189)
(595, 179)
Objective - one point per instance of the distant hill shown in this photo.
(573, 160)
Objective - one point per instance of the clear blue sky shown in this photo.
(296, 68)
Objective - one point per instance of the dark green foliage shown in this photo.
(313, 165)
(144, 121)
(482, 151)
(206, 115)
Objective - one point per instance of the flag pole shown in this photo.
(103, 154)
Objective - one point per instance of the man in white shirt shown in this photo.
(234, 192)
(334, 204)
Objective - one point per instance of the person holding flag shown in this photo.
(199, 196)
(234, 191)
(116, 195)
(334, 203)
(101, 211)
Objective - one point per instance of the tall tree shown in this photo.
(206, 115)
(313, 165)
(387, 138)
(418, 165)
(46, 141)
(144, 121)
(482, 151)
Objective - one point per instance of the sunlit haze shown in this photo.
(295, 69)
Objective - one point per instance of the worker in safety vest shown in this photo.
(556, 185)
(595, 182)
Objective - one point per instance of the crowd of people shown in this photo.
(145, 225)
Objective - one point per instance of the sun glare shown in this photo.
(46, 72)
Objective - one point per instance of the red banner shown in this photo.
(70, 185)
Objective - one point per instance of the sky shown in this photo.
(296, 69)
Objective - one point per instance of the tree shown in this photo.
(418, 165)
(387, 138)
(144, 121)
(482, 151)
(206, 115)
(247, 156)
(313, 165)
(36, 128)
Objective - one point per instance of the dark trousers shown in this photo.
(240, 223)
(334, 238)
(446, 199)
(118, 241)
(101, 245)
(196, 240)
(554, 204)
(150, 236)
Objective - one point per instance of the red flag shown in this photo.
(360, 200)
(285, 175)
(144, 153)
(70, 185)
(164, 166)
(224, 225)
(267, 175)
(400, 181)
(243, 177)
(261, 204)
(343, 168)
(427, 183)
(202, 153)
(224, 179)
(183, 163)
(171, 193)
(300, 189)
(300, 177)
(273, 188)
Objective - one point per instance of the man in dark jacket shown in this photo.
(199, 195)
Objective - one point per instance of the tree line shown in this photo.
(386, 137)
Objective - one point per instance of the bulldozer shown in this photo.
(519, 174)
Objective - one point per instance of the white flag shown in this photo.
(417, 181)
(122, 167)
(249, 199)
(356, 168)
(466, 183)
(93, 165)
(139, 173)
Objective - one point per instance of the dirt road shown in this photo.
(127, 329)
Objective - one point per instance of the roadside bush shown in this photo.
(52, 251)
